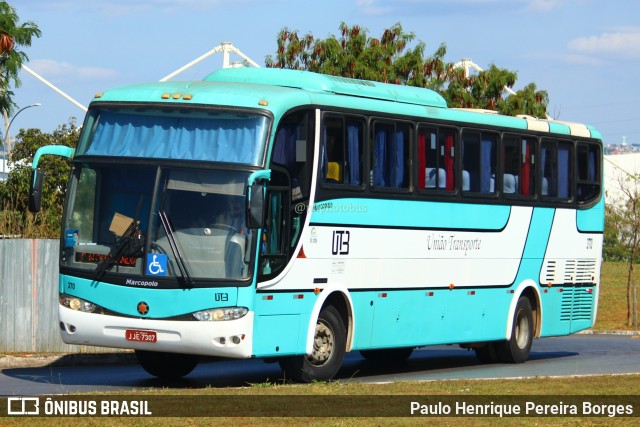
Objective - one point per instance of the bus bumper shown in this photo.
(229, 338)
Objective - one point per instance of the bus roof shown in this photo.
(322, 83)
(278, 90)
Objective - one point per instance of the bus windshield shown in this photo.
(158, 222)
(178, 134)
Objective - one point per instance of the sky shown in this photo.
(584, 53)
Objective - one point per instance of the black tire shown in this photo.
(328, 352)
(168, 366)
(488, 353)
(387, 354)
(518, 347)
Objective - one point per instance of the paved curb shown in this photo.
(13, 361)
(590, 332)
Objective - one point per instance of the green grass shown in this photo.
(612, 304)
(535, 389)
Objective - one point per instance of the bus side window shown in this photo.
(549, 169)
(341, 161)
(275, 235)
(391, 153)
(478, 162)
(436, 159)
(447, 157)
(291, 151)
(527, 168)
(85, 202)
(588, 187)
(353, 152)
(555, 159)
(430, 175)
(518, 166)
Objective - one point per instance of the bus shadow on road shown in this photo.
(439, 362)
(433, 362)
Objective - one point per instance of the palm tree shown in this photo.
(13, 35)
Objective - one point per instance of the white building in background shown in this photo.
(617, 169)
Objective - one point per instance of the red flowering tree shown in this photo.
(13, 36)
(391, 59)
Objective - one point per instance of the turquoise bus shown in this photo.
(292, 216)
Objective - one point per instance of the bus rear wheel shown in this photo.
(168, 366)
(518, 347)
(329, 348)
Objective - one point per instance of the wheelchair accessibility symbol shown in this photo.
(157, 264)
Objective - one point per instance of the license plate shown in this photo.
(141, 336)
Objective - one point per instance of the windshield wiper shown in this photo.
(135, 248)
(115, 253)
(175, 248)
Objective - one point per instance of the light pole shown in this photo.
(7, 139)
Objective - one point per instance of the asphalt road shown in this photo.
(561, 356)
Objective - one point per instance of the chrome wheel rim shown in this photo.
(323, 344)
(522, 331)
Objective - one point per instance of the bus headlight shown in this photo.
(77, 304)
(226, 313)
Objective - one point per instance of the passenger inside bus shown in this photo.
(334, 155)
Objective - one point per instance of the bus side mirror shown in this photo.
(35, 192)
(255, 206)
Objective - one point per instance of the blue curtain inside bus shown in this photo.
(380, 158)
(388, 150)
(284, 150)
(353, 154)
(324, 161)
(397, 167)
(592, 164)
(563, 170)
(548, 171)
(351, 149)
(487, 143)
(233, 140)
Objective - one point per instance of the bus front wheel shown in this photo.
(518, 347)
(329, 348)
(168, 366)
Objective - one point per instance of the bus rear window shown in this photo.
(589, 178)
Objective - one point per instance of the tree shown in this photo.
(12, 35)
(528, 101)
(613, 248)
(484, 90)
(15, 219)
(389, 59)
(622, 233)
(628, 209)
(356, 55)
